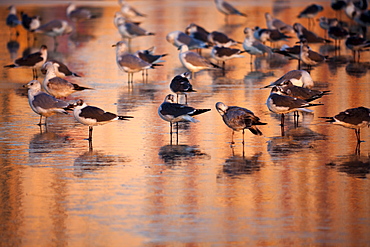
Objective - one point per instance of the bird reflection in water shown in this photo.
(13, 47)
(237, 165)
(295, 140)
(95, 160)
(354, 165)
(172, 154)
(357, 70)
(47, 142)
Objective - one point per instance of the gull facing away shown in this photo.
(78, 14)
(353, 118)
(227, 9)
(93, 116)
(33, 61)
(61, 70)
(299, 78)
(173, 112)
(44, 104)
(56, 86)
(193, 61)
(181, 85)
(129, 63)
(239, 118)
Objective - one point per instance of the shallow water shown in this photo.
(134, 188)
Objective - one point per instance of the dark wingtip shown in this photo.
(124, 117)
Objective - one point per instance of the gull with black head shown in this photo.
(93, 116)
(174, 112)
(33, 61)
(181, 85)
(353, 118)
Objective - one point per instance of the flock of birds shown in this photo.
(291, 93)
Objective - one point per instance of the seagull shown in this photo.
(221, 39)
(357, 43)
(30, 23)
(148, 56)
(33, 60)
(54, 29)
(56, 86)
(78, 14)
(239, 118)
(93, 116)
(131, 30)
(193, 61)
(336, 32)
(299, 78)
(129, 11)
(354, 118)
(310, 12)
(223, 54)
(197, 32)
(283, 104)
(180, 84)
(338, 6)
(227, 9)
(129, 62)
(274, 23)
(12, 20)
(287, 88)
(252, 45)
(272, 35)
(42, 103)
(174, 112)
(310, 57)
(61, 70)
(178, 38)
(290, 52)
(311, 37)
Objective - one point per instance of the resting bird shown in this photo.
(42, 103)
(238, 118)
(93, 116)
(287, 88)
(283, 104)
(173, 112)
(61, 70)
(56, 86)
(180, 84)
(354, 118)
